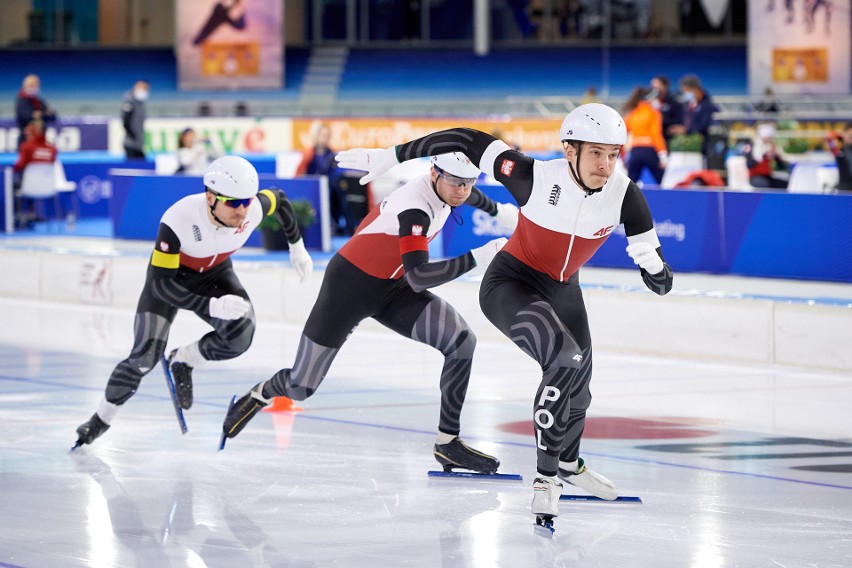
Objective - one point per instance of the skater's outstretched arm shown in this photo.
(414, 249)
(275, 202)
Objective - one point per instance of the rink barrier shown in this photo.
(694, 324)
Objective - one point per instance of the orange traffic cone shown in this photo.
(282, 404)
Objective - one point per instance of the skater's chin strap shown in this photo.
(576, 173)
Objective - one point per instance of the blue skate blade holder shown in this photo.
(173, 394)
(544, 527)
(473, 475)
(593, 499)
(224, 438)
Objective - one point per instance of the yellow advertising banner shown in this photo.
(530, 135)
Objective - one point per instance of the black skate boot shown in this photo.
(89, 431)
(457, 454)
(182, 376)
(244, 410)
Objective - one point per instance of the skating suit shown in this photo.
(531, 290)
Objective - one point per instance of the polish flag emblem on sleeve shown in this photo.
(506, 167)
(164, 246)
(417, 230)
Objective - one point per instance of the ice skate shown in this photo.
(90, 430)
(182, 376)
(545, 503)
(457, 454)
(244, 410)
(581, 476)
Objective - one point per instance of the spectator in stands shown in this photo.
(319, 160)
(766, 167)
(241, 108)
(521, 11)
(572, 19)
(698, 111)
(769, 103)
(669, 107)
(133, 118)
(35, 150)
(29, 106)
(646, 148)
(841, 147)
(590, 96)
(194, 154)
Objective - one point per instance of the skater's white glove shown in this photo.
(229, 307)
(301, 260)
(374, 162)
(507, 216)
(485, 254)
(645, 256)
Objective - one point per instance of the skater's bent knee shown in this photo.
(464, 345)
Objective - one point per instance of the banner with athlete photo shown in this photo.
(799, 46)
(229, 44)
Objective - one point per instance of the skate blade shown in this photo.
(474, 475)
(544, 527)
(173, 394)
(77, 445)
(224, 437)
(593, 499)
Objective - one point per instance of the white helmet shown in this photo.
(231, 176)
(594, 122)
(456, 164)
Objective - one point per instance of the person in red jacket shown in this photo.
(34, 149)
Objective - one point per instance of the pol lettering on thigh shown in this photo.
(543, 417)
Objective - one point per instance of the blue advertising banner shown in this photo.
(140, 198)
(791, 236)
(688, 226)
(469, 227)
(67, 134)
(782, 235)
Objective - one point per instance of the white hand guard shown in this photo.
(301, 260)
(507, 216)
(374, 162)
(229, 307)
(485, 254)
(645, 256)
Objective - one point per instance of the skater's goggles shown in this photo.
(234, 202)
(455, 181)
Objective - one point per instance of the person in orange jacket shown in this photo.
(645, 144)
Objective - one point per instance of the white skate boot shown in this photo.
(545, 503)
(576, 473)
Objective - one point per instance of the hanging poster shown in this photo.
(799, 46)
(229, 44)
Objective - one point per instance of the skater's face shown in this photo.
(231, 212)
(451, 189)
(596, 162)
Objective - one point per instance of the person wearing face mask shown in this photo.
(384, 272)
(30, 106)
(698, 110)
(133, 119)
(191, 269)
(531, 290)
(661, 99)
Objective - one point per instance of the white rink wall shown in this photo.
(692, 324)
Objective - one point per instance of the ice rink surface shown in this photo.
(737, 465)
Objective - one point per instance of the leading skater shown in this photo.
(191, 269)
(383, 272)
(531, 291)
